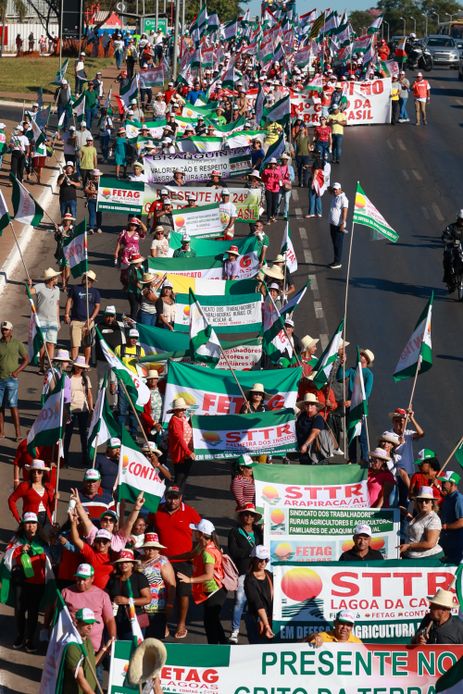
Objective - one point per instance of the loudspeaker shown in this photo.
(72, 18)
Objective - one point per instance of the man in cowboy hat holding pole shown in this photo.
(308, 426)
(82, 307)
(439, 625)
(46, 293)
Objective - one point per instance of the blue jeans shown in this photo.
(118, 55)
(147, 318)
(240, 603)
(286, 196)
(315, 203)
(323, 149)
(403, 107)
(9, 392)
(94, 217)
(125, 411)
(337, 146)
(104, 142)
(90, 114)
(68, 206)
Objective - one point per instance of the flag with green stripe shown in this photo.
(323, 367)
(137, 474)
(75, 250)
(35, 340)
(48, 426)
(25, 208)
(417, 353)
(204, 343)
(4, 214)
(366, 213)
(103, 426)
(358, 408)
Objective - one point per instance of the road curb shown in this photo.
(10, 265)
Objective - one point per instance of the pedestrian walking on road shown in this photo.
(403, 97)
(421, 91)
(338, 218)
(13, 359)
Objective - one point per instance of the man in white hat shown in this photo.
(69, 183)
(342, 631)
(366, 360)
(361, 550)
(339, 207)
(404, 456)
(13, 359)
(113, 332)
(79, 673)
(75, 313)
(47, 305)
(309, 424)
(257, 230)
(89, 495)
(421, 90)
(20, 147)
(185, 250)
(129, 353)
(271, 181)
(439, 626)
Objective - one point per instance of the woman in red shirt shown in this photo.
(97, 555)
(428, 467)
(272, 181)
(37, 497)
(322, 138)
(180, 442)
(243, 487)
(380, 481)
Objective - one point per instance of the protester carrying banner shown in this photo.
(180, 442)
(341, 632)
(362, 550)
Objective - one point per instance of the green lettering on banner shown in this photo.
(120, 196)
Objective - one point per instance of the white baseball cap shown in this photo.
(110, 310)
(345, 616)
(29, 517)
(204, 526)
(362, 529)
(336, 185)
(103, 534)
(133, 332)
(114, 442)
(260, 552)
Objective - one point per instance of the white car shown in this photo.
(444, 50)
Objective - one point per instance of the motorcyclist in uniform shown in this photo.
(410, 45)
(452, 237)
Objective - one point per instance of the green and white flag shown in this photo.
(75, 250)
(375, 26)
(35, 340)
(60, 74)
(78, 107)
(258, 433)
(358, 404)
(39, 135)
(216, 391)
(130, 91)
(366, 213)
(287, 249)
(279, 112)
(48, 427)
(197, 143)
(103, 426)
(275, 150)
(63, 634)
(137, 474)
(204, 343)
(323, 367)
(451, 682)
(4, 214)
(138, 391)
(225, 313)
(25, 208)
(417, 353)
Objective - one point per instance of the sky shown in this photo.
(305, 6)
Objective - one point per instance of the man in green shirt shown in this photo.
(185, 251)
(13, 359)
(79, 670)
(91, 104)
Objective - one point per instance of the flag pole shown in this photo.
(20, 252)
(134, 409)
(44, 341)
(285, 331)
(450, 456)
(346, 301)
(58, 446)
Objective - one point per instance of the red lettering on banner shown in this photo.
(353, 490)
(439, 579)
(341, 580)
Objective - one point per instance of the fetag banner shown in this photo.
(368, 103)
(388, 598)
(273, 668)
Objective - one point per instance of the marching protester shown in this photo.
(258, 588)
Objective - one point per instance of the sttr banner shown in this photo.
(388, 598)
(198, 167)
(215, 392)
(334, 486)
(198, 221)
(368, 103)
(246, 200)
(205, 266)
(226, 314)
(120, 196)
(306, 534)
(258, 433)
(336, 668)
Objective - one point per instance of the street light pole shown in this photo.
(405, 25)
(177, 20)
(426, 16)
(414, 23)
(388, 30)
(61, 34)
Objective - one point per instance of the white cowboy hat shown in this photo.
(147, 661)
(90, 274)
(443, 598)
(178, 404)
(307, 342)
(368, 354)
(147, 278)
(379, 453)
(80, 361)
(258, 388)
(274, 272)
(49, 274)
(152, 373)
(309, 398)
(62, 355)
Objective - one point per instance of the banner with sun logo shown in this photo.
(201, 221)
(258, 433)
(366, 213)
(226, 314)
(137, 474)
(334, 486)
(303, 534)
(388, 599)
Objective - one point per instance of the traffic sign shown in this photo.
(149, 24)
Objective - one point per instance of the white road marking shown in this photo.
(308, 256)
(405, 174)
(318, 308)
(324, 340)
(401, 144)
(314, 285)
(425, 212)
(296, 194)
(437, 212)
(459, 102)
(389, 144)
(417, 175)
(298, 211)
(303, 233)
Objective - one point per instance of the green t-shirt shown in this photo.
(73, 658)
(11, 353)
(91, 98)
(87, 157)
(211, 585)
(178, 253)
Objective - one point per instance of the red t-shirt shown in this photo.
(101, 562)
(322, 133)
(174, 528)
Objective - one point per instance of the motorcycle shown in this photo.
(453, 268)
(419, 57)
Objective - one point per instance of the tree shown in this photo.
(20, 7)
(226, 9)
(394, 10)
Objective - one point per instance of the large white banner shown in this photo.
(368, 103)
(246, 200)
(198, 221)
(197, 167)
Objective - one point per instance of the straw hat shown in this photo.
(147, 278)
(37, 465)
(279, 259)
(152, 373)
(62, 355)
(443, 598)
(233, 250)
(368, 354)
(307, 342)
(90, 275)
(390, 437)
(425, 493)
(178, 404)
(249, 508)
(49, 274)
(80, 362)
(309, 398)
(379, 453)
(147, 661)
(152, 540)
(136, 258)
(126, 555)
(258, 388)
(274, 272)
(254, 174)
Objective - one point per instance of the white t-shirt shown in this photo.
(403, 454)
(47, 300)
(338, 204)
(416, 530)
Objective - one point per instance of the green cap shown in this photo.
(450, 476)
(425, 454)
(86, 616)
(245, 461)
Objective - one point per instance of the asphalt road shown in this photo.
(413, 176)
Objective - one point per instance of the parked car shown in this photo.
(444, 50)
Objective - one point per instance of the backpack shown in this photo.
(230, 573)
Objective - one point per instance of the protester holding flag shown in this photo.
(19, 147)
(69, 183)
(82, 307)
(338, 220)
(271, 180)
(366, 360)
(180, 442)
(13, 360)
(81, 406)
(47, 302)
(403, 453)
(126, 583)
(79, 670)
